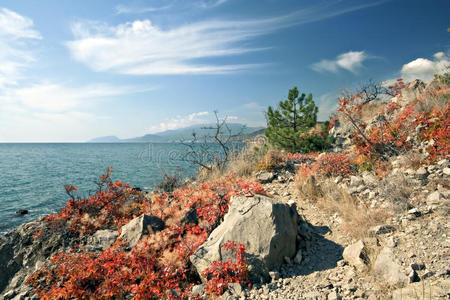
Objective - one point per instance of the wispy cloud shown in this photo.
(54, 97)
(123, 9)
(15, 26)
(424, 69)
(350, 61)
(16, 32)
(49, 111)
(143, 48)
(181, 122)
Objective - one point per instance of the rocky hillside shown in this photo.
(368, 219)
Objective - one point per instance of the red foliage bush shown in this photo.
(220, 274)
(327, 165)
(437, 128)
(158, 266)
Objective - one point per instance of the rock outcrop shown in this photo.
(21, 252)
(140, 226)
(267, 228)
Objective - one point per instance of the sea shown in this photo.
(33, 176)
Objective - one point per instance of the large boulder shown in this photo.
(267, 228)
(140, 226)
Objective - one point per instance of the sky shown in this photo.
(71, 71)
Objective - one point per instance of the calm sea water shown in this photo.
(32, 176)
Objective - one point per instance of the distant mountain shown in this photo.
(148, 138)
(105, 139)
(242, 132)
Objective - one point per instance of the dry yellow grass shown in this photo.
(357, 218)
(242, 163)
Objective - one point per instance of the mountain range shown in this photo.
(202, 131)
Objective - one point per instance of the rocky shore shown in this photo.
(352, 235)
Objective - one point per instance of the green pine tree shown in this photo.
(292, 118)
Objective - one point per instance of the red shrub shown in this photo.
(326, 165)
(333, 164)
(437, 129)
(158, 266)
(221, 274)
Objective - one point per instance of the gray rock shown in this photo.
(140, 226)
(391, 242)
(10, 294)
(102, 239)
(198, 289)
(381, 229)
(414, 212)
(443, 163)
(355, 181)
(333, 296)
(235, 289)
(21, 296)
(356, 255)
(369, 178)
(418, 266)
(267, 228)
(386, 267)
(421, 173)
(265, 177)
(274, 275)
(338, 179)
(446, 171)
(434, 198)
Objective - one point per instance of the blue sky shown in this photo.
(74, 70)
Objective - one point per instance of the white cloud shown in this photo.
(143, 48)
(123, 9)
(16, 32)
(424, 69)
(49, 112)
(181, 122)
(140, 48)
(16, 26)
(350, 61)
(52, 97)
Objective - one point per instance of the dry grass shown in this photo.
(396, 189)
(357, 218)
(242, 163)
(437, 95)
(413, 159)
